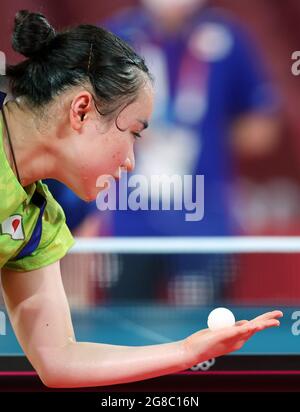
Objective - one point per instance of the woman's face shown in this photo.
(100, 148)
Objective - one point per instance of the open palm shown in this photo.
(207, 344)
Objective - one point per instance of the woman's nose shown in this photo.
(129, 164)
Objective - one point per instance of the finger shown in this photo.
(256, 326)
(265, 316)
(246, 329)
(261, 325)
(275, 314)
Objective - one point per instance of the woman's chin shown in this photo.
(87, 196)
(90, 198)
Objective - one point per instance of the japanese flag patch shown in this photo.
(13, 226)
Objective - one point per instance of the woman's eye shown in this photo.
(137, 135)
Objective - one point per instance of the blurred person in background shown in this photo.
(213, 100)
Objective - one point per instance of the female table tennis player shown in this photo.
(81, 99)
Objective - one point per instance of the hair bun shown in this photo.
(31, 33)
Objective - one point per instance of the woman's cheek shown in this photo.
(109, 166)
(117, 157)
(112, 155)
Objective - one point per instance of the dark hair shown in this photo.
(57, 61)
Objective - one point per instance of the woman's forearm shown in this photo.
(81, 364)
(40, 315)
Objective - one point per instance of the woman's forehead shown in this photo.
(142, 107)
(145, 100)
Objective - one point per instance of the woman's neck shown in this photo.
(28, 144)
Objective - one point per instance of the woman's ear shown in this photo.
(80, 106)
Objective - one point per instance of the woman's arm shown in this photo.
(40, 315)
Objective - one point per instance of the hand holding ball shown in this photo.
(220, 318)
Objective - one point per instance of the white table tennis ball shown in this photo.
(220, 318)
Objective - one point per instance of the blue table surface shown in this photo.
(154, 324)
